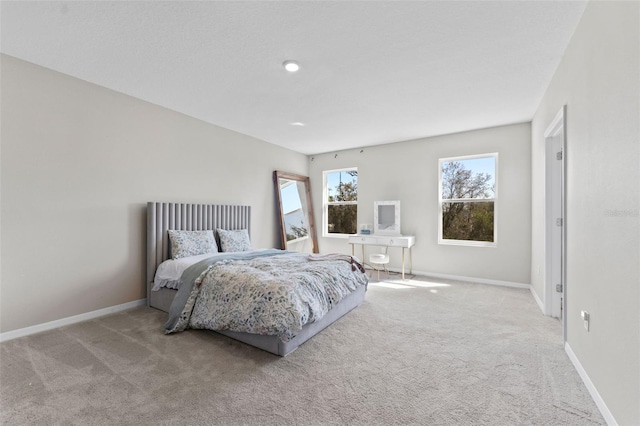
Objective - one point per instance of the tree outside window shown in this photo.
(340, 201)
(468, 194)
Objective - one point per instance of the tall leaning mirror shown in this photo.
(297, 227)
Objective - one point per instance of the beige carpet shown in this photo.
(421, 352)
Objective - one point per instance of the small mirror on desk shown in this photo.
(386, 217)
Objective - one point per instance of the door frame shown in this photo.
(557, 128)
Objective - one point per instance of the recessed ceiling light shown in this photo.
(291, 66)
(297, 123)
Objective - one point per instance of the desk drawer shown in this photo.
(360, 239)
(390, 241)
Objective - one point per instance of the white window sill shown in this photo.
(467, 243)
(339, 236)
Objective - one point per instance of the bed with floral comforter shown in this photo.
(270, 292)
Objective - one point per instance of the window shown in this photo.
(468, 194)
(340, 214)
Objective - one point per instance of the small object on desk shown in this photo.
(365, 229)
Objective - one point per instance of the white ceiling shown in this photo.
(371, 72)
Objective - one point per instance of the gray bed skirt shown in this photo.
(162, 300)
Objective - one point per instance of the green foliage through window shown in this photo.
(468, 221)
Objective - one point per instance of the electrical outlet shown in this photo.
(585, 319)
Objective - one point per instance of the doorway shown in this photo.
(555, 221)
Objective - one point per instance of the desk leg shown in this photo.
(362, 259)
(403, 263)
(410, 261)
(352, 250)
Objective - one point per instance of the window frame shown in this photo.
(326, 203)
(441, 201)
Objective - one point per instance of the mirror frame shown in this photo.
(277, 175)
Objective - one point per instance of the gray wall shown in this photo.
(79, 163)
(598, 80)
(408, 171)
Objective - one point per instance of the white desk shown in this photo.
(403, 241)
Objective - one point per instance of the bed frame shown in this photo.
(195, 217)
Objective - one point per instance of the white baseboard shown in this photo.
(537, 299)
(465, 279)
(604, 410)
(14, 334)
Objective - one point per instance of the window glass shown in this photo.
(468, 195)
(340, 201)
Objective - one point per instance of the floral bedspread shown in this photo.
(273, 295)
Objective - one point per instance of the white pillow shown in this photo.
(191, 243)
(235, 240)
(169, 272)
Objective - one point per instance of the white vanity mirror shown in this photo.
(386, 217)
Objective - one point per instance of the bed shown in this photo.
(162, 217)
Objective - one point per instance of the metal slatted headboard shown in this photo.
(189, 217)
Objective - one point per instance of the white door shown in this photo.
(555, 281)
(556, 224)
